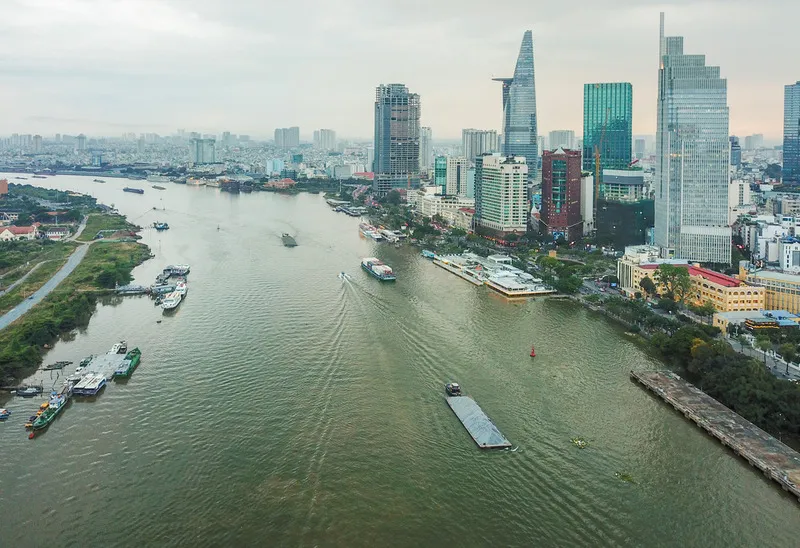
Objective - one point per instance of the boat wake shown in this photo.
(514, 450)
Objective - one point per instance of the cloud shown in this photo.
(249, 66)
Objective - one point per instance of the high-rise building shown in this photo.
(754, 142)
(37, 144)
(324, 139)
(81, 142)
(450, 175)
(639, 148)
(140, 145)
(542, 143)
(562, 138)
(519, 108)
(736, 151)
(371, 158)
(440, 173)
(201, 151)
(397, 114)
(475, 142)
(607, 115)
(287, 137)
(425, 149)
(561, 194)
(501, 188)
(791, 133)
(280, 137)
(692, 157)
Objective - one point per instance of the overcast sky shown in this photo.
(103, 67)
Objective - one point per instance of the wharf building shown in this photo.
(501, 205)
(397, 138)
(692, 157)
(726, 293)
(475, 142)
(520, 127)
(561, 194)
(791, 134)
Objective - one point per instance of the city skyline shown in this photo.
(145, 83)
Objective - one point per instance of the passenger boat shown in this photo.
(453, 389)
(119, 348)
(134, 190)
(181, 288)
(90, 385)
(177, 270)
(127, 367)
(4, 414)
(370, 231)
(171, 301)
(376, 268)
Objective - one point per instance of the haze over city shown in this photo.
(250, 66)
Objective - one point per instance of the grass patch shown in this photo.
(69, 306)
(103, 221)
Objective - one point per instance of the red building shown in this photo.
(561, 194)
(3, 187)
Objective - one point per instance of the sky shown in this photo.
(104, 67)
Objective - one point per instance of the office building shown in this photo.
(607, 116)
(370, 158)
(625, 210)
(791, 134)
(201, 151)
(37, 144)
(520, 137)
(640, 148)
(541, 144)
(81, 142)
(736, 151)
(440, 174)
(561, 194)
(562, 138)
(475, 142)
(450, 173)
(325, 139)
(397, 113)
(501, 186)
(692, 157)
(425, 150)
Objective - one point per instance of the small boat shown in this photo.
(181, 288)
(453, 389)
(580, 443)
(98, 181)
(342, 276)
(29, 391)
(57, 365)
(160, 226)
(39, 177)
(119, 348)
(4, 414)
(288, 240)
(533, 352)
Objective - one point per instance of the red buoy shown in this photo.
(30, 436)
(533, 352)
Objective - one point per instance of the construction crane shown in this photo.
(597, 147)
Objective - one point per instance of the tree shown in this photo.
(648, 286)
(704, 310)
(743, 341)
(789, 353)
(568, 285)
(763, 344)
(675, 280)
(393, 198)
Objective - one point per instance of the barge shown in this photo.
(128, 365)
(134, 190)
(52, 408)
(480, 427)
(90, 385)
(378, 269)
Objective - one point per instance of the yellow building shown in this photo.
(782, 291)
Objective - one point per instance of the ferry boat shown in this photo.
(119, 348)
(56, 404)
(4, 414)
(90, 385)
(171, 301)
(162, 289)
(378, 269)
(177, 270)
(182, 288)
(370, 231)
(134, 190)
(160, 226)
(132, 359)
(288, 241)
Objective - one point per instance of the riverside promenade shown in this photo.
(776, 460)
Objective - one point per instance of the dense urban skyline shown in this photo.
(122, 72)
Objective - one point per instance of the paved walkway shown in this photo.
(16, 312)
(15, 284)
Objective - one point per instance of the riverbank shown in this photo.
(24, 343)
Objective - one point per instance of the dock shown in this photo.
(105, 365)
(479, 426)
(776, 460)
(458, 272)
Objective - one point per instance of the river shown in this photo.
(283, 406)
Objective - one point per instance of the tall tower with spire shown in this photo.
(520, 137)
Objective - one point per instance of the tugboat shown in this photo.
(453, 389)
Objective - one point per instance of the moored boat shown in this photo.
(52, 408)
(182, 288)
(428, 254)
(378, 269)
(119, 348)
(453, 389)
(127, 367)
(29, 391)
(171, 301)
(90, 385)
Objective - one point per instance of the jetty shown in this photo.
(776, 460)
(479, 426)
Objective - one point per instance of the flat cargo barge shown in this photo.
(776, 461)
(479, 426)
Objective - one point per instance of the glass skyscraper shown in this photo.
(397, 133)
(607, 115)
(692, 157)
(791, 134)
(519, 108)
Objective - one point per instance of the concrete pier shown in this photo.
(776, 460)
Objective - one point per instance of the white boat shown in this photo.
(119, 348)
(370, 231)
(171, 301)
(182, 288)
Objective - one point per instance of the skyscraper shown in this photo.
(287, 137)
(455, 180)
(397, 114)
(324, 139)
(519, 108)
(37, 144)
(501, 188)
(475, 142)
(425, 149)
(201, 151)
(561, 194)
(791, 133)
(607, 114)
(81, 142)
(736, 151)
(692, 157)
(564, 138)
(639, 148)
(440, 173)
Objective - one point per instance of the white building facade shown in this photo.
(501, 193)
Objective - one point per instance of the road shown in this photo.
(16, 312)
(22, 279)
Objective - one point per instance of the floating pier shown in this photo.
(479, 426)
(776, 460)
(105, 365)
(458, 272)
